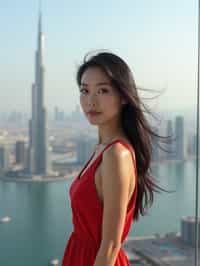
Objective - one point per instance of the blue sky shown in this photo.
(158, 39)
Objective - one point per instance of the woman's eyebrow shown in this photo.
(100, 83)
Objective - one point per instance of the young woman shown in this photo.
(108, 193)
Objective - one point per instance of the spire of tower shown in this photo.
(40, 41)
(40, 17)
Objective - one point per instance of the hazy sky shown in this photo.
(157, 38)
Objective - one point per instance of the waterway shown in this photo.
(41, 216)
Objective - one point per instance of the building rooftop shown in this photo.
(168, 249)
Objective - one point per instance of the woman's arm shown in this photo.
(116, 171)
(106, 256)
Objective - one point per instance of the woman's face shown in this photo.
(97, 94)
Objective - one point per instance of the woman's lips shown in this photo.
(92, 113)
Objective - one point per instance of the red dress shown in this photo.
(87, 213)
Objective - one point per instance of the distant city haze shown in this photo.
(158, 39)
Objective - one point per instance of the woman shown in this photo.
(108, 193)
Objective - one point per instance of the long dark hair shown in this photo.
(135, 125)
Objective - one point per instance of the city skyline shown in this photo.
(158, 41)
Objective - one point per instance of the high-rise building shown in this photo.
(59, 115)
(85, 148)
(171, 149)
(180, 138)
(38, 147)
(20, 152)
(4, 158)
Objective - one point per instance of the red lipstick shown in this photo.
(93, 113)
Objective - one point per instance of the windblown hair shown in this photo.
(134, 123)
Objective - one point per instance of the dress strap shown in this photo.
(128, 146)
(110, 144)
(123, 142)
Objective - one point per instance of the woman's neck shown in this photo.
(108, 140)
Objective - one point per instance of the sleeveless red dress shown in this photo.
(87, 214)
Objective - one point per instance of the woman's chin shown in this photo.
(93, 122)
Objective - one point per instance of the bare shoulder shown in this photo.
(118, 152)
(117, 156)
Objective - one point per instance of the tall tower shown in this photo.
(171, 148)
(38, 148)
(181, 151)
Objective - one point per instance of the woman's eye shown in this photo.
(82, 90)
(99, 91)
(104, 90)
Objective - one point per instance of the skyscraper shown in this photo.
(20, 152)
(38, 148)
(180, 138)
(171, 148)
(4, 158)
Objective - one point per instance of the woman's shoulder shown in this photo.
(117, 161)
(118, 151)
(119, 146)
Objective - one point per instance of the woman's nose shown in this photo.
(91, 103)
(92, 99)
